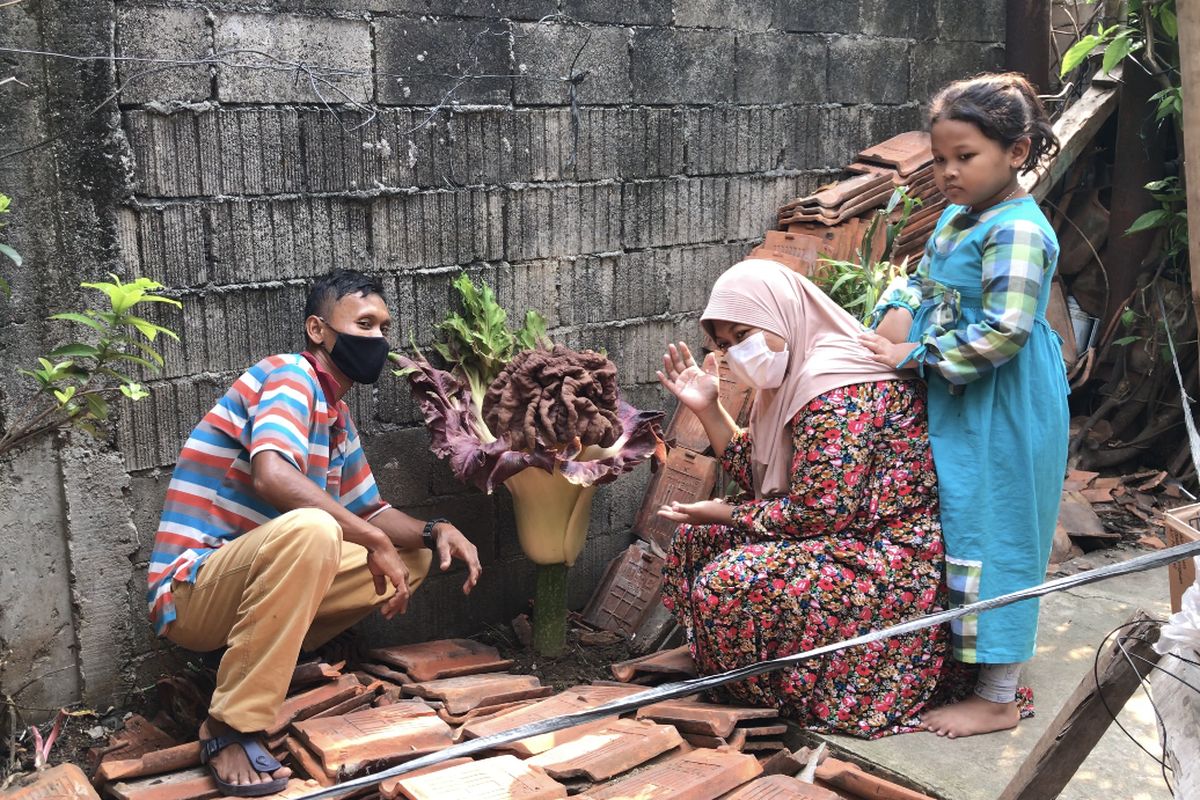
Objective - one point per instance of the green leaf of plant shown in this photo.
(5, 289)
(150, 365)
(1169, 22)
(63, 396)
(1116, 52)
(75, 350)
(134, 391)
(1124, 340)
(1151, 219)
(149, 329)
(13, 255)
(1078, 53)
(82, 319)
(97, 406)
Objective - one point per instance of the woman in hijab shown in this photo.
(837, 531)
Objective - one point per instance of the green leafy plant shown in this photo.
(858, 285)
(478, 341)
(5, 249)
(73, 384)
(1149, 34)
(1171, 216)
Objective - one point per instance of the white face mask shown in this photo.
(755, 364)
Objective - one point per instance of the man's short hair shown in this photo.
(330, 288)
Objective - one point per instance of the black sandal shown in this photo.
(259, 758)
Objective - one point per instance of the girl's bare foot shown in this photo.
(971, 717)
(231, 764)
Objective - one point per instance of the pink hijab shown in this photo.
(824, 354)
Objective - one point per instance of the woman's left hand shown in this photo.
(888, 353)
(706, 512)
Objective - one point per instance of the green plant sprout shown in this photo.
(858, 285)
(74, 383)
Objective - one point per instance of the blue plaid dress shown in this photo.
(997, 411)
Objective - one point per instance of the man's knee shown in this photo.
(309, 533)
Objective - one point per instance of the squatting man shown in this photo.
(274, 538)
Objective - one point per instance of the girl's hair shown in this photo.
(1005, 108)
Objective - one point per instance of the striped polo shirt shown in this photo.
(278, 404)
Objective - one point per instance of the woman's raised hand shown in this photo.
(697, 388)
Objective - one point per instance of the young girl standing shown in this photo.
(972, 319)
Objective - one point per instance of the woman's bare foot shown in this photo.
(971, 717)
(231, 764)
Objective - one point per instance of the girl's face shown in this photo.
(727, 334)
(969, 168)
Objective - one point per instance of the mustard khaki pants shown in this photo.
(289, 584)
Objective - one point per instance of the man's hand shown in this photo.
(890, 354)
(706, 512)
(386, 566)
(452, 544)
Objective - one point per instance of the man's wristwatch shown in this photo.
(427, 537)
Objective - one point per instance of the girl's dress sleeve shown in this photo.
(1016, 256)
(821, 499)
(735, 461)
(901, 293)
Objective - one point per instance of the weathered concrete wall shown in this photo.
(601, 161)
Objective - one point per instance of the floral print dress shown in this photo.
(855, 546)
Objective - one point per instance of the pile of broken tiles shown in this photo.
(412, 700)
(832, 222)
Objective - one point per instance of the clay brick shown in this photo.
(609, 750)
(480, 713)
(389, 788)
(191, 784)
(385, 735)
(305, 704)
(308, 763)
(847, 777)
(676, 662)
(630, 589)
(698, 775)
(557, 706)
(138, 737)
(64, 782)
(686, 477)
(781, 787)
(315, 672)
(708, 719)
(173, 758)
(501, 778)
(445, 658)
(471, 691)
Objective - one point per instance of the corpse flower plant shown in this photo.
(545, 421)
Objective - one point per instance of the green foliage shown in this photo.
(1171, 216)
(478, 341)
(72, 384)
(5, 249)
(858, 285)
(1150, 34)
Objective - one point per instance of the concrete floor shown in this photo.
(1073, 624)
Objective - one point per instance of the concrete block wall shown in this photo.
(600, 161)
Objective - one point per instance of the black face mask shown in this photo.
(360, 358)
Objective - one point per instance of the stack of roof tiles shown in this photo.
(831, 223)
(412, 700)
